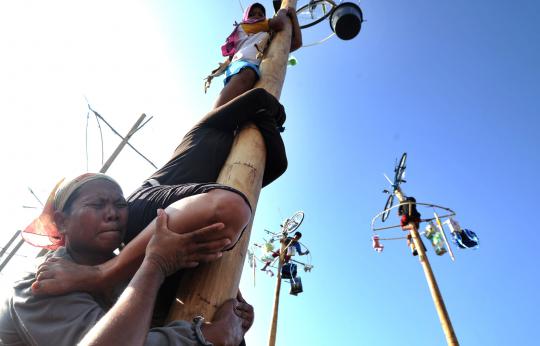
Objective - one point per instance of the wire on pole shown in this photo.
(119, 135)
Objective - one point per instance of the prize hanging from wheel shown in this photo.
(295, 257)
(279, 253)
(434, 227)
(411, 221)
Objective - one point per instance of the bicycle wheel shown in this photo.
(314, 12)
(400, 169)
(294, 222)
(387, 207)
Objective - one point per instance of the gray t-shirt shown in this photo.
(64, 320)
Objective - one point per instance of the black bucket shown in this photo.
(346, 20)
(296, 286)
(288, 271)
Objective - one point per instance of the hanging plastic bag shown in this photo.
(435, 236)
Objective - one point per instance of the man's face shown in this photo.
(97, 219)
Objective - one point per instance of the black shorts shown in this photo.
(146, 200)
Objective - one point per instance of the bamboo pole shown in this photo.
(275, 311)
(122, 144)
(444, 318)
(202, 290)
(11, 254)
(8, 244)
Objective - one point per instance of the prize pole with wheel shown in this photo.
(446, 324)
(286, 265)
(273, 324)
(412, 226)
(289, 226)
(203, 290)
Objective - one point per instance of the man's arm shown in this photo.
(128, 321)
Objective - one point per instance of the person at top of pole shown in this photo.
(244, 49)
(292, 247)
(409, 214)
(409, 218)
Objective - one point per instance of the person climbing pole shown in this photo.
(292, 246)
(409, 218)
(244, 49)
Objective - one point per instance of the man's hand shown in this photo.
(172, 252)
(230, 323)
(245, 311)
(58, 276)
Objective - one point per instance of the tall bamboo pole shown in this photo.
(275, 311)
(444, 318)
(202, 290)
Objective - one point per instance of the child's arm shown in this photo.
(278, 23)
(296, 33)
(216, 72)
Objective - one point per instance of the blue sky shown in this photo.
(453, 84)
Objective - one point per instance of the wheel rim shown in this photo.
(314, 12)
(387, 207)
(294, 222)
(400, 169)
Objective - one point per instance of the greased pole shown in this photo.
(202, 290)
(275, 311)
(446, 324)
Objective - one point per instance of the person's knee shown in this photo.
(231, 209)
(202, 210)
